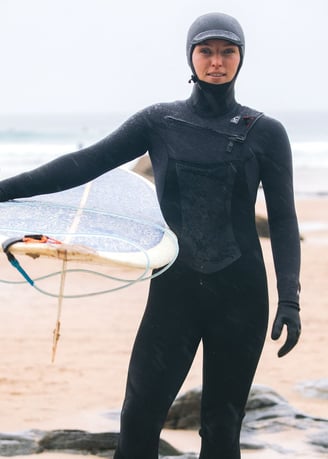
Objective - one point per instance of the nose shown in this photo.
(216, 60)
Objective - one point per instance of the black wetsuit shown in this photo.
(208, 164)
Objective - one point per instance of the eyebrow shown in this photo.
(226, 42)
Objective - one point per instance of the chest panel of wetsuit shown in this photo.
(202, 171)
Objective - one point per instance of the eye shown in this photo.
(228, 51)
(205, 51)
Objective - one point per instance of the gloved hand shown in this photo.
(287, 314)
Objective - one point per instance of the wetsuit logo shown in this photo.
(235, 119)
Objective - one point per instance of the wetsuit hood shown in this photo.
(214, 25)
(209, 98)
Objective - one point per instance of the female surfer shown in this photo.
(209, 155)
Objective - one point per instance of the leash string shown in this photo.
(56, 331)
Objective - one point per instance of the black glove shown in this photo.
(287, 314)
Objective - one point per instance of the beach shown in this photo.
(66, 85)
(87, 379)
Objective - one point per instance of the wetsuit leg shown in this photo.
(164, 349)
(236, 301)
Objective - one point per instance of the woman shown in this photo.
(209, 155)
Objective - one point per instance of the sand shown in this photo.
(87, 378)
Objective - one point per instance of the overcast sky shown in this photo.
(71, 56)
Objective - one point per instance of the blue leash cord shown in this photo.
(16, 265)
(6, 246)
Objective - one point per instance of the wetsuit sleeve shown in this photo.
(277, 179)
(125, 144)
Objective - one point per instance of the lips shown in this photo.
(216, 74)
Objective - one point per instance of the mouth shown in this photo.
(216, 75)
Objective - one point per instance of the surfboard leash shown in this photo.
(28, 238)
(13, 260)
(56, 332)
(40, 238)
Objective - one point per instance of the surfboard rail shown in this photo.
(156, 257)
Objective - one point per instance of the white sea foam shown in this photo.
(310, 154)
(36, 149)
(27, 142)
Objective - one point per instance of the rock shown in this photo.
(94, 443)
(79, 440)
(262, 226)
(316, 389)
(167, 450)
(320, 440)
(248, 441)
(266, 413)
(182, 456)
(184, 413)
(20, 443)
(263, 404)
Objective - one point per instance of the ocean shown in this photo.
(27, 141)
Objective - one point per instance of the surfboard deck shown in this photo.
(114, 219)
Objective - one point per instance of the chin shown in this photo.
(216, 83)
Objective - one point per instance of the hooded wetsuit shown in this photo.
(209, 155)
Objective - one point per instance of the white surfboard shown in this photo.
(114, 219)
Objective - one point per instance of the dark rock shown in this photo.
(184, 413)
(266, 413)
(33, 442)
(72, 441)
(79, 440)
(94, 443)
(263, 405)
(20, 444)
(165, 449)
(181, 456)
(263, 397)
(262, 226)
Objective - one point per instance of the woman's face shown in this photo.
(216, 61)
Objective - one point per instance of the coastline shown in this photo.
(88, 377)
